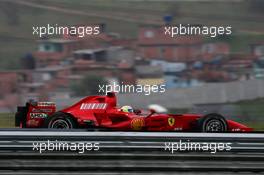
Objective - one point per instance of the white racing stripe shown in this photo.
(87, 106)
(132, 134)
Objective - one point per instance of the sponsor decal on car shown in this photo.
(171, 121)
(137, 123)
(38, 115)
(85, 106)
(46, 104)
(46, 110)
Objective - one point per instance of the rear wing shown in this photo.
(33, 111)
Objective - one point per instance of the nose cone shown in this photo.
(238, 127)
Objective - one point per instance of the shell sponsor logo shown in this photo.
(87, 106)
(137, 123)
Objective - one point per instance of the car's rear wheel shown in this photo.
(60, 120)
(212, 123)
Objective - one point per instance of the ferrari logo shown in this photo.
(171, 121)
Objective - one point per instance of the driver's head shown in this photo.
(127, 109)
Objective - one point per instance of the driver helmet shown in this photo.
(127, 109)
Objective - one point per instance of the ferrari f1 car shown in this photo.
(102, 112)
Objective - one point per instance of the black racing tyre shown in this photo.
(213, 123)
(60, 120)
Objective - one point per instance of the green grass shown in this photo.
(239, 42)
(257, 126)
(7, 120)
(252, 108)
(17, 40)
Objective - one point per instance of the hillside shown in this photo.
(18, 17)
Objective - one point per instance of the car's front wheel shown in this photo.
(212, 123)
(60, 120)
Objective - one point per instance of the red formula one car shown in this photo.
(102, 112)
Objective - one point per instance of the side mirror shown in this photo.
(137, 111)
(152, 111)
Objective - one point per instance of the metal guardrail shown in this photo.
(132, 141)
(130, 152)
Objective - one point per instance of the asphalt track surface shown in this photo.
(129, 153)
